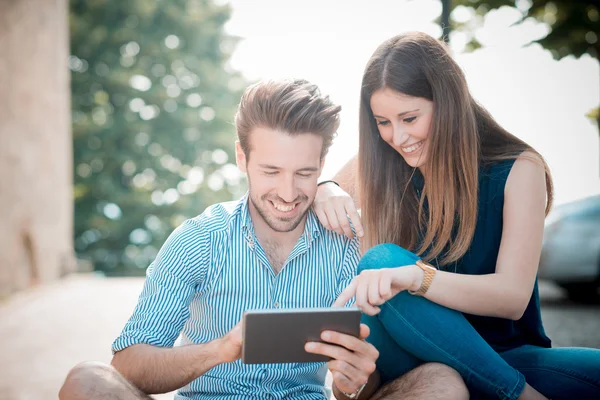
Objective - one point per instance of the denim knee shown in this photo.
(387, 255)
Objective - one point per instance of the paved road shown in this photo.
(45, 331)
(568, 323)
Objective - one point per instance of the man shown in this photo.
(265, 251)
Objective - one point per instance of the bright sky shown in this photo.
(328, 42)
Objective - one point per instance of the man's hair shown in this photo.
(290, 106)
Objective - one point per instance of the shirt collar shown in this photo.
(312, 229)
(245, 213)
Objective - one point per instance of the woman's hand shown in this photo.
(373, 287)
(333, 207)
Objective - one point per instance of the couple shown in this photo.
(452, 313)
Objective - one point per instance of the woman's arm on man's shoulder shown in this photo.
(337, 206)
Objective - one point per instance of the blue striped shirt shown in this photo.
(210, 270)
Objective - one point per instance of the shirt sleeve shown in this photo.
(163, 305)
(349, 268)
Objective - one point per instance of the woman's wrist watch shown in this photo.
(428, 274)
(355, 394)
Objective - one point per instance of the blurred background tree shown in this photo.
(153, 100)
(574, 26)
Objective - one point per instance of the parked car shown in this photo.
(571, 249)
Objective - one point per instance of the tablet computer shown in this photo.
(279, 335)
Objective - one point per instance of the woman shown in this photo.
(441, 184)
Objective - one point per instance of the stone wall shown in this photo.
(36, 206)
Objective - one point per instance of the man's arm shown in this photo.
(159, 370)
(144, 351)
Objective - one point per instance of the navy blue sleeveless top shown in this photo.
(502, 334)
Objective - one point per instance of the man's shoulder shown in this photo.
(217, 217)
(196, 234)
(334, 239)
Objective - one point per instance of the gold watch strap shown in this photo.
(429, 273)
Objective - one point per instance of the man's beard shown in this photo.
(274, 222)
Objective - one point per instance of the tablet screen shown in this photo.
(279, 335)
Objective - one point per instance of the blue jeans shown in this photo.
(411, 330)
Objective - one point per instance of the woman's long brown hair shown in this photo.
(463, 138)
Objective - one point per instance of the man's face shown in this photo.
(282, 175)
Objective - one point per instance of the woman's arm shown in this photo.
(347, 177)
(506, 292)
(334, 205)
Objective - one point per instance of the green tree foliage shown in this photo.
(574, 25)
(153, 100)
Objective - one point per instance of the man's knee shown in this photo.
(87, 379)
(386, 255)
(445, 378)
(428, 381)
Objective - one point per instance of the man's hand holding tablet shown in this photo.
(230, 345)
(352, 359)
(334, 335)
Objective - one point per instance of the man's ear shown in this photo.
(240, 157)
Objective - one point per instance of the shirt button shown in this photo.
(276, 304)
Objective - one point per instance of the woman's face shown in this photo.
(403, 122)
